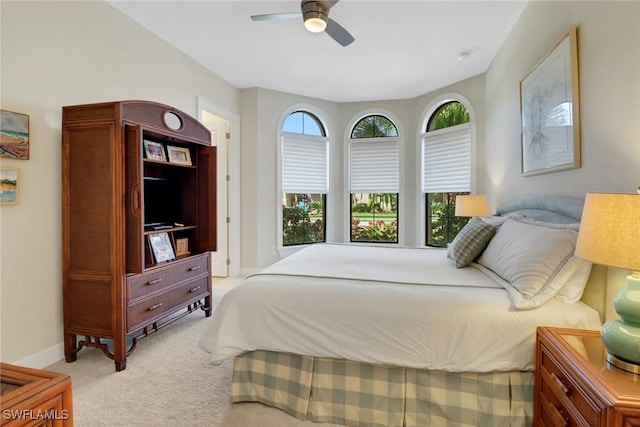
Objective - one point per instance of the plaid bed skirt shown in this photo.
(364, 395)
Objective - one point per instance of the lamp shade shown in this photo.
(610, 230)
(472, 205)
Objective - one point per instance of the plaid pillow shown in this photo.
(470, 242)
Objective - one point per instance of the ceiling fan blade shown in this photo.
(275, 16)
(338, 33)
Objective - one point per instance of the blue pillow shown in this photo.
(470, 242)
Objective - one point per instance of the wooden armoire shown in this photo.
(138, 213)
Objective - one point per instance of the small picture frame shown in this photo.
(182, 247)
(161, 246)
(154, 150)
(179, 155)
(14, 135)
(9, 185)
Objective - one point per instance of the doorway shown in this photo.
(224, 127)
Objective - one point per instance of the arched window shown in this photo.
(374, 180)
(446, 170)
(304, 172)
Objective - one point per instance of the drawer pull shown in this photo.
(194, 289)
(153, 307)
(560, 384)
(194, 268)
(557, 416)
(154, 282)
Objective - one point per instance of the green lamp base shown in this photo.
(622, 337)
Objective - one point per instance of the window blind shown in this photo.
(446, 160)
(305, 164)
(374, 166)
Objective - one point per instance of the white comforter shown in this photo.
(396, 306)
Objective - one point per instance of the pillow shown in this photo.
(528, 260)
(470, 242)
(573, 289)
(494, 220)
(576, 269)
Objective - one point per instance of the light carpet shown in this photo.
(168, 382)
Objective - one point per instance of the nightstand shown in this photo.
(34, 398)
(575, 386)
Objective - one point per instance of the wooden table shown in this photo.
(576, 386)
(33, 397)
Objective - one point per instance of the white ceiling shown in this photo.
(402, 49)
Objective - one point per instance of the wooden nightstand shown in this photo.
(575, 386)
(34, 398)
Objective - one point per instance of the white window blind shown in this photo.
(446, 160)
(304, 164)
(374, 166)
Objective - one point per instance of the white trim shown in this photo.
(233, 170)
(44, 358)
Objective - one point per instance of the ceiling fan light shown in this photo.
(315, 24)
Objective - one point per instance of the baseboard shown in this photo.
(43, 358)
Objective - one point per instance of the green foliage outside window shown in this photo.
(374, 217)
(449, 114)
(444, 225)
(303, 219)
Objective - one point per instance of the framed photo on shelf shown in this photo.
(179, 155)
(154, 150)
(182, 247)
(161, 246)
(9, 184)
(550, 111)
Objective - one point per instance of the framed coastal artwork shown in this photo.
(14, 135)
(9, 185)
(550, 111)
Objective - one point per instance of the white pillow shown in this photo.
(529, 260)
(572, 291)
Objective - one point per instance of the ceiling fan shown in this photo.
(316, 19)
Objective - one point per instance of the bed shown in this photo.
(389, 336)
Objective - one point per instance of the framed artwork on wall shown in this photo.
(9, 185)
(14, 135)
(550, 111)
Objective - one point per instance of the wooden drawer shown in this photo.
(569, 396)
(556, 410)
(158, 279)
(154, 308)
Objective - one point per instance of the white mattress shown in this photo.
(394, 306)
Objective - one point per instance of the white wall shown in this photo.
(609, 74)
(56, 54)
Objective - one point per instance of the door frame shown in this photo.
(233, 184)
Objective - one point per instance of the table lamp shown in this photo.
(610, 235)
(472, 205)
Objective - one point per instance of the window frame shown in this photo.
(347, 173)
(432, 107)
(282, 250)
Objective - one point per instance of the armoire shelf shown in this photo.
(118, 178)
